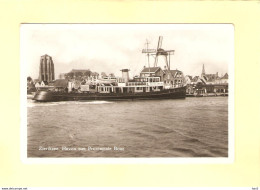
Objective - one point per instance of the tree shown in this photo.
(30, 85)
(78, 74)
(87, 73)
(103, 74)
(112, 75)
(95, 74)
(29, 79)
(69, 75)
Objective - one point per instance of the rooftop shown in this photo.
(150, 69)
(60, 83)
(225, 76)
(79, 70)
(173, 72)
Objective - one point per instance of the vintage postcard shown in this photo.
(170, 102)
(131, 92)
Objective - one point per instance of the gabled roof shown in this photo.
(61, 83)
(173, 72)
(214, 76)
(210, 80)
(203, 80)
(195, 79)
(45, 82)
(190, 77)
(150, 69)
(225, 76)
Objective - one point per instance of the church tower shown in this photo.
(46, 70)
(203, 71)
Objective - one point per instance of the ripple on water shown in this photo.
(195, 127)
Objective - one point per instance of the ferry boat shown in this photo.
(149, 85)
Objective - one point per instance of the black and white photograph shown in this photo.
(127, 90)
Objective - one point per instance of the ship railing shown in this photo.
(155, 84)
(136, 83)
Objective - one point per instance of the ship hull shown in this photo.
(48, 96)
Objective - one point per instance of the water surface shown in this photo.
(191, 127)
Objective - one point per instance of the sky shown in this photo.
(111, 47)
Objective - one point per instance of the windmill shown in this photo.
(159, 52)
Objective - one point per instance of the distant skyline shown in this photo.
(111, 47)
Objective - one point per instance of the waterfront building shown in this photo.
(191, 83)
(152, 71)
(223, 80)
(173, 78)
(46, 70)
(44, 83)
(198, 80)
(209, 78)
(214, 83)
(187, 79)
(41, 84)
(37, 85)
(206, 84)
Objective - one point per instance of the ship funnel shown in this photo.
(125, 74)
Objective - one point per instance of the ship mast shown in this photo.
(148, 55)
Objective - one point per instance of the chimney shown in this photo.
(125, 74)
